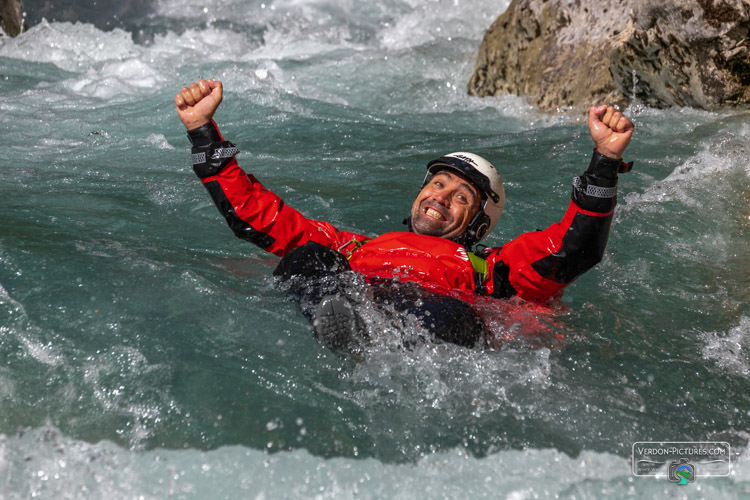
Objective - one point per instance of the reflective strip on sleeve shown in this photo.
(596, 191)
(199, 158)
(220, 153)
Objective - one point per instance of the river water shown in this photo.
(146, 353)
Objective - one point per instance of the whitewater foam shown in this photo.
(730, 350)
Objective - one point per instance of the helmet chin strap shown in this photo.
(474, 231)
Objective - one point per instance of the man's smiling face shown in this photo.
(445, 206)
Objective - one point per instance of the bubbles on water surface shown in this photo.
(130, 390)
(730, 351)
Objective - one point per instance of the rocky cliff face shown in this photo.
(687, 53)
(574, 53)
(11, 17)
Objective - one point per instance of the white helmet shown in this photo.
(484, 176)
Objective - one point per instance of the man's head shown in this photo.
(461, 199)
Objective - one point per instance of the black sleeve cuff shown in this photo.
(606, 167)
(204, 135)
(596, 189)
(210, 152)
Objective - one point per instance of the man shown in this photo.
(461, 200)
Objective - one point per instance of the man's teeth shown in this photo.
(434, 214)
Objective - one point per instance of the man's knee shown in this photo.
(311, 260)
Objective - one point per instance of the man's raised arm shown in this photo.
(254, 213)
(539, 264)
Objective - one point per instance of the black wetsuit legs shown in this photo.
(310, 273)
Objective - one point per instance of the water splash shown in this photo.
(636, 107)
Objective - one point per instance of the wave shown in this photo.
(43, 462)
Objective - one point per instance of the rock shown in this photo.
(574, 53)
(12, 20)
(557, 52)
(687, 53)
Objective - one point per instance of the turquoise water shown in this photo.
(145, 352)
